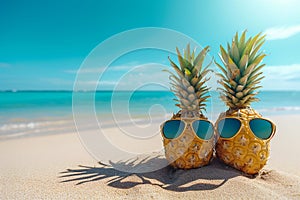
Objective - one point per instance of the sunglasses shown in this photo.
(203, 129)
(261, 128)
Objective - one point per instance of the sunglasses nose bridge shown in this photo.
(242, 129)
(188, 126)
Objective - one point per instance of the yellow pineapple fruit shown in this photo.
(245, 143)
(193, 146)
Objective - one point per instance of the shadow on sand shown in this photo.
(205, 178)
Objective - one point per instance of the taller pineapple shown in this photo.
(188, 136)
(244, 141)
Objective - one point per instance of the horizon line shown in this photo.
(32, 90)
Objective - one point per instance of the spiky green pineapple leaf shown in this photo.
(198, 62)
(188, 84)
(241, 70)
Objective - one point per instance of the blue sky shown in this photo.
(43, 43)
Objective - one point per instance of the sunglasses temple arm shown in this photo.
(275, 128)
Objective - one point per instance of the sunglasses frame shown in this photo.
(247, 125)
(185, 126)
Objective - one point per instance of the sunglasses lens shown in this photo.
(173, 128)
(261, 128)
(228, 127)
(203, 129)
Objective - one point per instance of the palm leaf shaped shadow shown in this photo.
(205, 178)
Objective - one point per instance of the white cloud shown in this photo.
(141, 77)
(3, 65)
(282, 77)
(277, 33)
(94, 70)
(149, 76)
(57, 81)
(106, 83)
(101, 69)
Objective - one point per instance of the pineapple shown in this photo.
(240, 77)
(187, 150)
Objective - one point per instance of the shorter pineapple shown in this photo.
(188, 150)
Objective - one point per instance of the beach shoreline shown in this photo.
(37, 113)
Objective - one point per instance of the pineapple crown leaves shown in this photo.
(241, 73)
(188, 84)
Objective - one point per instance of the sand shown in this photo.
(59, 167)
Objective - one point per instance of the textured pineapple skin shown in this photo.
(188, 151)
(244, 151)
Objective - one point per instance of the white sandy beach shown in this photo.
(58, 167)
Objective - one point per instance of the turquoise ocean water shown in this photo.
(26, 112)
